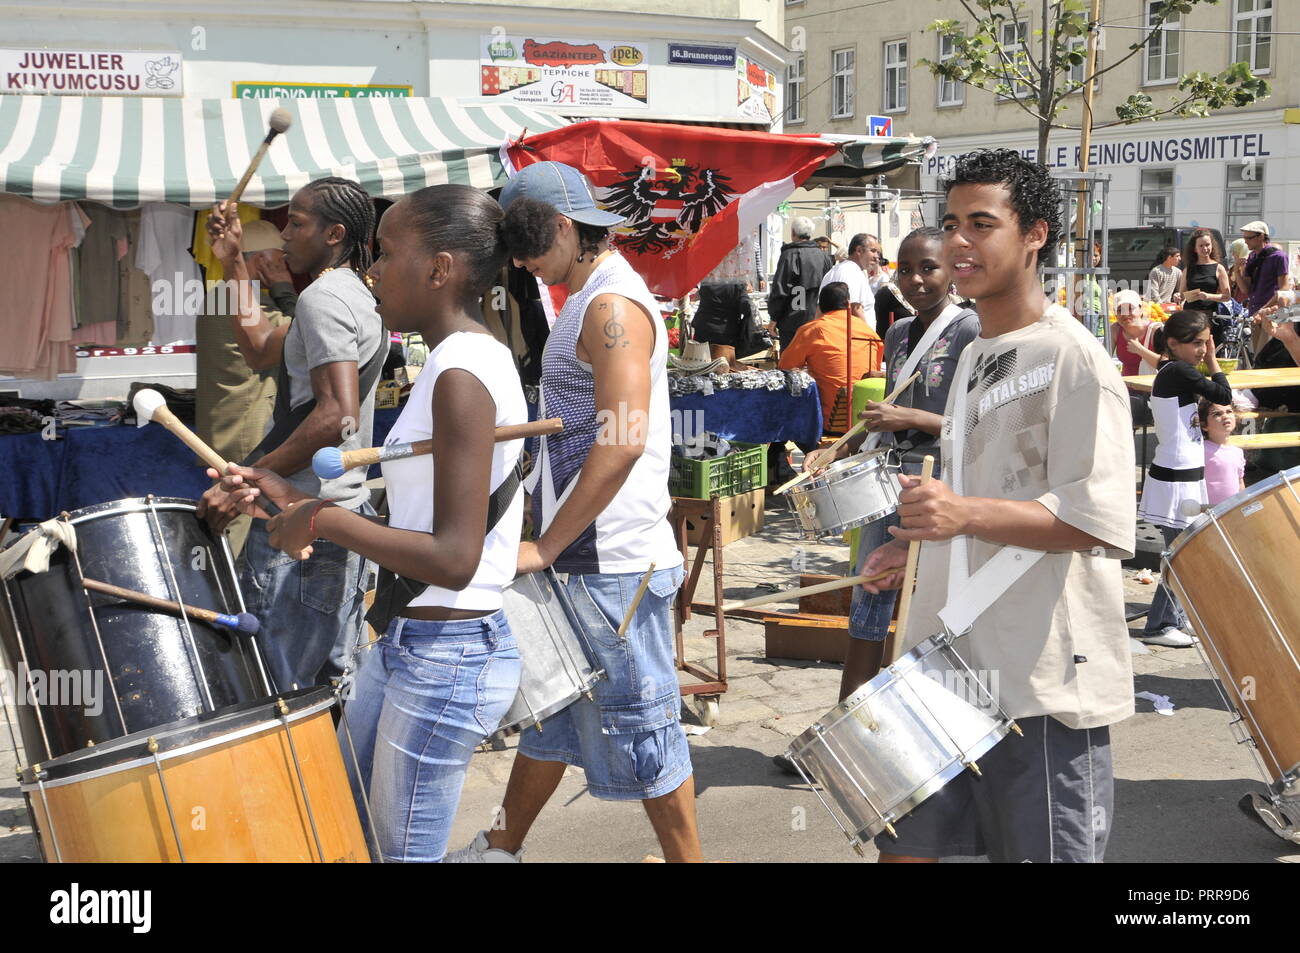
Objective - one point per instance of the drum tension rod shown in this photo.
(975, 769)
(1016, 728)
(152, 744)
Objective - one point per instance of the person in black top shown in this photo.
(792, 302)
(1204, 284)
(725, 321)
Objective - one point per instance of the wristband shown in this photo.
(311, 525)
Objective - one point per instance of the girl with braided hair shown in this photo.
(327, 361)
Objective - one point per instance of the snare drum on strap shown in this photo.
(849, 493)
(899, 738)
(257, 783)
(1233, 572)
(132, 667)
(556, 669)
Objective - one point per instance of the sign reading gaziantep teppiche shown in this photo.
(91, 72)
(548, 72)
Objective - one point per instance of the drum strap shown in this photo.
(393, 593)
(922, 348)
(969, 595)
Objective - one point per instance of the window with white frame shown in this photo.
(1245, 194)
(1077, 74)
(950, 90)
(795, 74)
(895, 76)
(1252, 22)
(1012, 35)
(842, 83)
(1156, 197)
(1165, 51)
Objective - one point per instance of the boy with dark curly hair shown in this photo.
(1036, 501)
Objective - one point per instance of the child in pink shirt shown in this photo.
(1225, 466)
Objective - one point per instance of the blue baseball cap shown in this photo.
(561, 186)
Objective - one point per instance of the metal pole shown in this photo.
(1084, 255)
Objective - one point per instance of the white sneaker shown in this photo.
(1173, 638)
(478, 852)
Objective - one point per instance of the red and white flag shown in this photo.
(689, 193)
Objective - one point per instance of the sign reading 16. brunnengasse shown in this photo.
(59, 72)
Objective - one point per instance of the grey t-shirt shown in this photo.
(335, 321)
(930, 392)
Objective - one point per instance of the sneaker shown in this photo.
(1173, 638)
(478, 852)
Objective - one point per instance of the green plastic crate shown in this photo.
(740, 471)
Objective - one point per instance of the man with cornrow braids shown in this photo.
(328, 359)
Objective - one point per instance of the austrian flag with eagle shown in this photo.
(688, 193)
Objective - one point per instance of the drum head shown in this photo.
(183, 735)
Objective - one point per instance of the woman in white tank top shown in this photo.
(445, 671)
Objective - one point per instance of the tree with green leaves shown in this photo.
(994, 54)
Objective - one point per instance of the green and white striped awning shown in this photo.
(864, 157)
(125, 151)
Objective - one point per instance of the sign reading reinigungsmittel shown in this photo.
(547, 72)
(90, 72)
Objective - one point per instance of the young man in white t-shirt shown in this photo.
(1047, 465)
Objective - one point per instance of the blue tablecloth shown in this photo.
(42, 478)
(754, 416)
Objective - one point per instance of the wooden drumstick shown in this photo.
(805, 591)
(636, 601)
(244, 622)
(913, 552)
(330, 463)
(150, 405)
(852, 432)
(280, 120)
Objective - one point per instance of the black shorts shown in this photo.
(1045, 798)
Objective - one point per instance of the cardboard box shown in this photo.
(742, 515)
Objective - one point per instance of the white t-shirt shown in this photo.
(853, 276)
(410, 480)
(163, 253)
(1047, 419)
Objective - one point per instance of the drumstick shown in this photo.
(330, 463)
(805, 591)
(852, 432)
(150, 405)
(244, 622)
(913, 552)
(279, 121)
(636, 601)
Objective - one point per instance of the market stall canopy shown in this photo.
(860, 158)
(125, 151)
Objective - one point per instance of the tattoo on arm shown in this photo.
(615, 333)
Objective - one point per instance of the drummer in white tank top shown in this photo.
(446, 669)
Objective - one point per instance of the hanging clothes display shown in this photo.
(101, 273)
(176, 283)
(36, 271)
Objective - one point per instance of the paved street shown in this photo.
(1179, 776)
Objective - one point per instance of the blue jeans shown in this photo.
(1165, 612)
(629, 741)
(311, 611)
(870, 615)
(425, 695)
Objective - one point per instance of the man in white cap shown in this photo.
(1266, 270)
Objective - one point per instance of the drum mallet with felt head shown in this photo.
(244, 622)
(149, 405)
(330, 463)
(280, 121)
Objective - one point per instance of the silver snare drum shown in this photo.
(849, 493)
(556, 669)
(900, 738)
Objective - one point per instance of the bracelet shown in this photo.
(311, 525)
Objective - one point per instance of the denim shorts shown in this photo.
(426, 694)
(870, 615)
(629, 741)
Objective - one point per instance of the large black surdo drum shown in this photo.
(98, 667)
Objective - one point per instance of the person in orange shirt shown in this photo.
(822, 346)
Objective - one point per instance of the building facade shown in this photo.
(857, 59)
